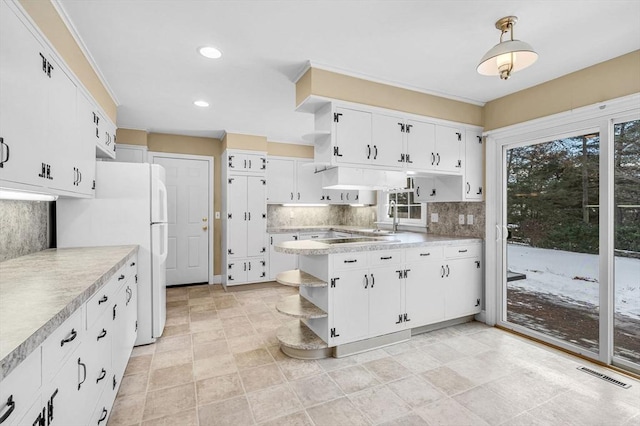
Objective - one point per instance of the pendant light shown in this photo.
(507, 56)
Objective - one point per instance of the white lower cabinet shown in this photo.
(240, 271)
(379, 292)
(72, 378)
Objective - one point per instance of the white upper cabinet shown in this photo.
(45, 144)
(308, 183)
(420, 144)
(281, 185)
(353, 143)
(240, 162)
(449, 148)
(473, 168)
(387, 147)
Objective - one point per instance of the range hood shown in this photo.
(351, 178)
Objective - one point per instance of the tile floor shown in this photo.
(218, 363)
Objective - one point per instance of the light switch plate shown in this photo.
(217, 215)
(461, 219)
(434, 217)
(469, 219)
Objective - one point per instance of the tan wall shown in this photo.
(131, 137)
(289, 150)
(338, 86)
(240, 141)
(47, 19)
(176, 144)
(607, 80)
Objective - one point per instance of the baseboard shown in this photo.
(217, 279)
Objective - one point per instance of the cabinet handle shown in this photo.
(433, 159)
(102, 334)
(386, 258)
(103, 374)
(103, 300)
(447, 270)
(368, 152)
(366, 281)
(417, 191)
(245, 215)
(73, 335)
(121, 277)
(438, 162)
(462, 251)
(11, 405)
(114, 310)
(442, 271)
(249, 213)
(292, 196)
(2, 161)
(468, 187)
(425, 254)
(249, 163)
(298, 196)
(245, 164)
(314, 236)
(249, 265)
(271, 238)
(373, 281)
(114, 382)
(84, 374)
(351, 261)
(103, 417)
(375, 156)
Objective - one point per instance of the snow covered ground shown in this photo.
(574, 276)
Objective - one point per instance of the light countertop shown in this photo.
(384, 242)
(38, 292)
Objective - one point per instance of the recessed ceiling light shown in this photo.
(210, 52)
(202, 104)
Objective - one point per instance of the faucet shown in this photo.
(393, 206)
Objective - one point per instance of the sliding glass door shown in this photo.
(565, 201)
(552, 242)
(626, 332)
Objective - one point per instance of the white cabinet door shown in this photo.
(256, 222)
(420, 140)
(237, 217)
(256, 163)
(280, 180)
(280, 262)
(473, 165)
(385, 299)
(463, 295)
(438, 188)
(350, 302)
(308, 183)
(449, 147)
(23, 103)
(387, 141)
(86, 168)
(256, 269)
(236, 271)
(62, 136)
(425, 293)
(352, 136)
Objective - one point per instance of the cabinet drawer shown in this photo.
(472, 250)
(20, 388)
(63, 341)
(420, 254)
(103, 298)
(353, 260)
(384, 257)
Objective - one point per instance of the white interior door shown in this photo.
(188, 201)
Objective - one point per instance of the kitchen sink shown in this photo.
(356, 240)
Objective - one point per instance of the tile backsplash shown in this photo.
(278, 216)
(448, 219)
(24, 228)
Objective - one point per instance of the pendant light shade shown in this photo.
(507, 56)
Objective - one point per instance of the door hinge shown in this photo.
(459, 136)
(399, 319)
(401, 160)
(459, 163)
(230, 277)
(229, 215)
(230, 265)
(264, 181)
(231, 161)
(407, 158)
(406, 317)
(477, 302)
(400, 273)
(94, 185)
(479, 191)
(230, 252)
(230, 180)
(333, 282)
(263, 274)
(336, 151)
(401, 127)
(433, 193)
(479, 139)
(406, 271)
(264, 249)
(336, 116)
(408, 128)
(334, 333)
(264, 164)
(477, 264)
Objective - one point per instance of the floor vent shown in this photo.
(605, 377)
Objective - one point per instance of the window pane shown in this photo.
(415, 212)
(553, 245)
(627, 241)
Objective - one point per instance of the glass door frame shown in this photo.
(594, 118)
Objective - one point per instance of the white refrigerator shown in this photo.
(130, 207)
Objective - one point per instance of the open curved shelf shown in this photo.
(298, 278)
(298, 341)
(298, 307)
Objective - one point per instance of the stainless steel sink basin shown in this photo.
(356, 240)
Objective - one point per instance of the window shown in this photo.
(410, 212)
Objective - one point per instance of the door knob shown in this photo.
(204, 228)
(204, 219)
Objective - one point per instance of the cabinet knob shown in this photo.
(204, 228)
(204, 219)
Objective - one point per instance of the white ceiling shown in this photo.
(146, 52)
